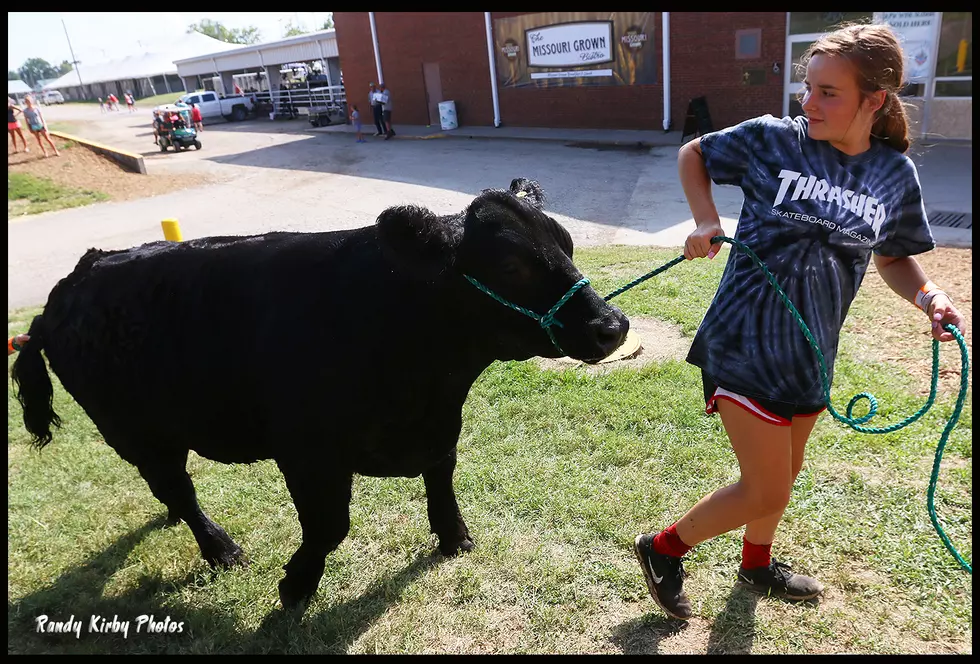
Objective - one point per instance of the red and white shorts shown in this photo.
(778, 413)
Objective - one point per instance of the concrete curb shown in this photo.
(130, 161)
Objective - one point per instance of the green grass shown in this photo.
(28, 194)
(557, 473)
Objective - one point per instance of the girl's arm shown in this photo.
(697, 189)
(904, 276)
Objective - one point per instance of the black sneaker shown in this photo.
(777, 580)
(665, 578)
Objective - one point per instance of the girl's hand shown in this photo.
(941, 313)
(698, 244)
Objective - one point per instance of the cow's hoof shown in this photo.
(292, 596)
(450, 548)
(231, 557)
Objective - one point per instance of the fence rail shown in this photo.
(329, 100)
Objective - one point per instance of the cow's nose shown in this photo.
(611, 332)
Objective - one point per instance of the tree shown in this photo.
(12, 75)
(292, 30)
(215, 30)
(328, 24)
(36, 69)
(64, 68)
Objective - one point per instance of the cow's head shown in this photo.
(504, 243)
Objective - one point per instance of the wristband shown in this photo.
(13, 346)
(925, 294)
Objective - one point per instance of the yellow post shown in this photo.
(171, 230)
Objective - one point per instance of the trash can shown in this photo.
(447, 115)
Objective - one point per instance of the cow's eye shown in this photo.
(510, 266)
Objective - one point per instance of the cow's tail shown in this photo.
(34, 390)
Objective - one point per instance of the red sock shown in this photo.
(669, 543)
(755, 555)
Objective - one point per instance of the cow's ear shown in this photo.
(417, 240)
(529, 190)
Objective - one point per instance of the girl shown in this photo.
(35, 122)
(824, 193)
(13, 125)
(355, 117)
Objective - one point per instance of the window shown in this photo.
(954, 63)
(210, 97)
(748, 44)
(956, 45)
(798, 73)
(803, 23)
(194, 100)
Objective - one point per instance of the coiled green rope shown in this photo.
(856, 422)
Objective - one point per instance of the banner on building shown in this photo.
(917, 32)
(562, 49)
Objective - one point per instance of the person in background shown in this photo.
(38, 127)
(157, 124)
(13, 125)
(197, 118)
(385, 97)
(101, 105)
(355, 118)
(376, 110)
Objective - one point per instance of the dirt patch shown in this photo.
(659, 341)
(81, 168)
(903, 334)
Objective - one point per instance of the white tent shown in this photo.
(156, 61)
(18, 87)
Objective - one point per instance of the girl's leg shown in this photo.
(758, 572)
(13, 137)
(47, 137)
(37, 135)
(23, 139)
(765, 459)
(762, 531)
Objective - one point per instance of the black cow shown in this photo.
(332, 353)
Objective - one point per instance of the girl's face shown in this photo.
(834, 106)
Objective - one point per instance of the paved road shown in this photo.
(287, 176)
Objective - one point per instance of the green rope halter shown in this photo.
(546, 321)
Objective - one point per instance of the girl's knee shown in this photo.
(770, 497)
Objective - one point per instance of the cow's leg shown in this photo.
(444, 517)
(167, 476)
(322, 499)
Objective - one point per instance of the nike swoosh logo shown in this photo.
(656, 579)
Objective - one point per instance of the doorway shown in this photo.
(433, 90)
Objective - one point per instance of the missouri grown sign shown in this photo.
(570, 45)
(567, 49)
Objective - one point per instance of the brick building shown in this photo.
(740, 62)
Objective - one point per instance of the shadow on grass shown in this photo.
(78, 594)
(335, 629)
(733, 630)
(642, 636)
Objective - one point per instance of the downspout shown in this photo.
(377, 51)
(493, 71)
(666, 40)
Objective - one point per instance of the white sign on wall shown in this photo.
(917, 32)
(570, 44)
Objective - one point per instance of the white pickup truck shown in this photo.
(212, 106)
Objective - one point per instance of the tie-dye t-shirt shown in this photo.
(813, 215)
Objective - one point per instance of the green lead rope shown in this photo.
(856, 422)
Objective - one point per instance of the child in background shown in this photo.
(355, 117)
